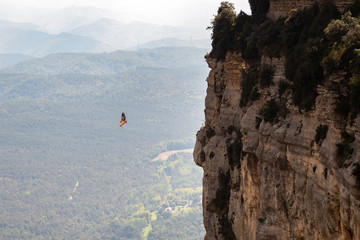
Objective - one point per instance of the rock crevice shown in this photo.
(272, 180)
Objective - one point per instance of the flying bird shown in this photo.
(123, 120)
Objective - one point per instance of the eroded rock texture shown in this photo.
(280, 8)
(267, 180)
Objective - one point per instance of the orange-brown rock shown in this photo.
(284, 185)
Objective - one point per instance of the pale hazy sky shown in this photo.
(155, 11)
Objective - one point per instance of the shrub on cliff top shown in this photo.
(344, 55)
(300, 37)
(344, 36)
(268, 37)
(222, 30)
(304, 50)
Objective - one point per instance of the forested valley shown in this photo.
(68, 171)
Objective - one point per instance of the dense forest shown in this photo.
(68, 171)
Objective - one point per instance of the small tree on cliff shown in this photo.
(222, 30)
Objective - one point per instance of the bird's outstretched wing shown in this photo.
(123, 120)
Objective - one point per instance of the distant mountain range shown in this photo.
(69, 18)
(7, 60)
(37, 43)
(171, 42)
(124, 36)
(109, 63)
(5, 24)
(71, 30)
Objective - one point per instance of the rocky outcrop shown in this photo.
(267, 180)
(280, 8)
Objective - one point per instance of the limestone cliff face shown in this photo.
(279, 8)
(267, 180)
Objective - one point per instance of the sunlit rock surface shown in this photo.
(284, 185)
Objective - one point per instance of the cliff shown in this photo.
(288, 175)
(280, 8)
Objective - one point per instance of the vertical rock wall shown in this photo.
(272, 180)
(280, 8)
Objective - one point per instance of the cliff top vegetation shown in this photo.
(315, 41)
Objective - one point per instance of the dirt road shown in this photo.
(165, 155)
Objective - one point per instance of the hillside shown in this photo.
(171, 42)
(69, 171)
(38, 43)
(280, 147)
(7, 60)
(5, 24)
(110, 63)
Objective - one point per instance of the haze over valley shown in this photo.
(68, 171)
